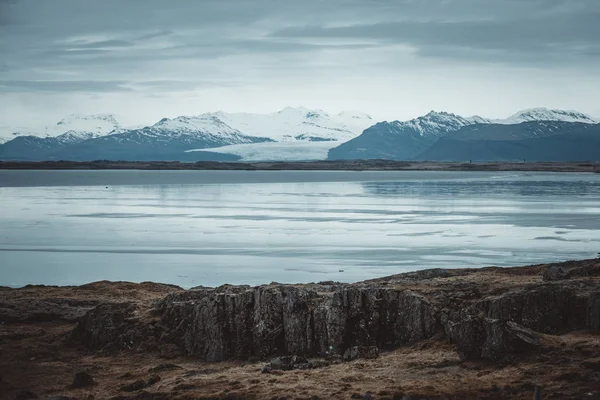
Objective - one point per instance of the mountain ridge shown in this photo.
(308, 134)
(407, 140)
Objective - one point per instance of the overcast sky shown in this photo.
(394, 59)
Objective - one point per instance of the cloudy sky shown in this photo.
(394, 59)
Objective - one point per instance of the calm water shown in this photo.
(213, 227)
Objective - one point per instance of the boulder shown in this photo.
(108, 325)
(506, 338)
(549, 308)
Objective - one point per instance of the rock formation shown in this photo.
(328, 319)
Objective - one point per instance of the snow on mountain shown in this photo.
(300, 134)
(436, 123)
(545, 114)
(205, 124)
(298, 124)
(97, 125)
(72, 129)
(8, 133)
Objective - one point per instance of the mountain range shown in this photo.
(304, 134)
(101, 137)
(441, 136)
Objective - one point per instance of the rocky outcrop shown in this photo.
(502, 325)
(335, 320)
(112, 326)
(218, 325)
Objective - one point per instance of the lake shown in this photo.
(208, 228)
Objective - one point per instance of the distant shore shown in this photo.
(359, 165)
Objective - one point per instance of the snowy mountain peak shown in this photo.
(99, 119)
(545, 114)
(435, 123)
(206, 123)
(71, 129)
(100, 124)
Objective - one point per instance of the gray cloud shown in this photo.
(64, 86)
(101, 44)
(520, 39)
(285, 51)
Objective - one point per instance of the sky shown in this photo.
(393, 59)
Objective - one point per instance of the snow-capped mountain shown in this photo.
(545, 114)
(206, 126)
(168, 139)
(294, 133)
(74, 128)
(42, 142)
(87, 126)
(402, 139)
(436, 123)
(300, 133)
(405, 140)
(298, 124)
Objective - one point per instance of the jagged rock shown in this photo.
(330, 321)
(218, 325)
(82, 379)
(549, 308)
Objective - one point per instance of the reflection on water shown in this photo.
(494, 186)
(207, 228)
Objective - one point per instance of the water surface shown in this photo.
(213, 227)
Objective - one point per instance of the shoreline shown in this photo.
(360, 165)
(485, 333)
